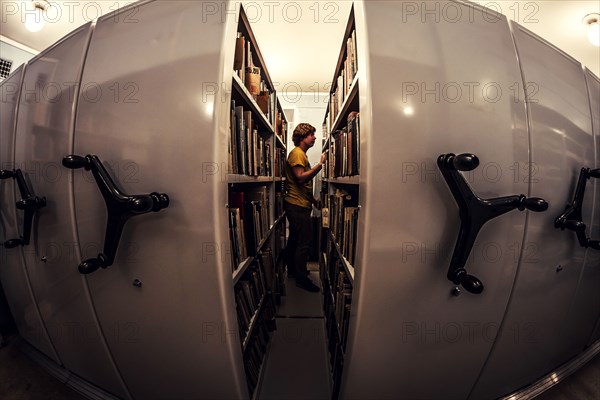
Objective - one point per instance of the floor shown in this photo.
(296, 366)
(23, 379)
(582, 385)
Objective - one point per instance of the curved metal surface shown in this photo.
(44, 135)
(431, 87)
(550, 276)
(154, 109)
(13, 275)
(591, 275)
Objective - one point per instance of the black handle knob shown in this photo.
(92, 264)
(465, 162)
(594, 244)
(12, 243)
(471, 284)
(575, 226)
(161, 200)
(594, 173)
(5, 174)
(31, 203)
(140, 205)
(28, 203)
(533, 204)
(75, 162)
(120, 208)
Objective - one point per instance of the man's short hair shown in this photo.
(302, 130)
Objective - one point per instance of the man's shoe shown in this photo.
(293, 274)
(307, 284)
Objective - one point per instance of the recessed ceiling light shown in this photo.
(34, 16)
(592, 21)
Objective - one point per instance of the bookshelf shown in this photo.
(340, 196)
(257, 136)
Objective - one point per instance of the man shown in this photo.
(298, 204)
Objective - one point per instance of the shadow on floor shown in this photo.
(297, 366)
(23, 379)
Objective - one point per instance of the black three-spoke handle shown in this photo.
(28, 203)
(474, 213)
(120, 208)
(572, 218)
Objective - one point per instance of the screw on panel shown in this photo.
(137, 283)
(456, 291)
(559, 268)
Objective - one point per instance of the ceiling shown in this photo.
(300, 40)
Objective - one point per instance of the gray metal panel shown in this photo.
(430, 86)
(577, 328)
(44, 136)
(13, 275)
(147, 111)
(593, 258)
(545, 324)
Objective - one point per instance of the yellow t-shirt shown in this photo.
(299, 195)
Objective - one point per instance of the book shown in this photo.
(234, 242)
(242, 144)
(238, 58)
(252, 81)
(268, 265)
(249, 134)
(354, 142)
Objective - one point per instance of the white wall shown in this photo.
(307, 107)
(16, 55)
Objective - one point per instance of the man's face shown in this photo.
(310, 140)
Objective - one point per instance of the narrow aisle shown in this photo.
(297, 366)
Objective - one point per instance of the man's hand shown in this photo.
(323, 158)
